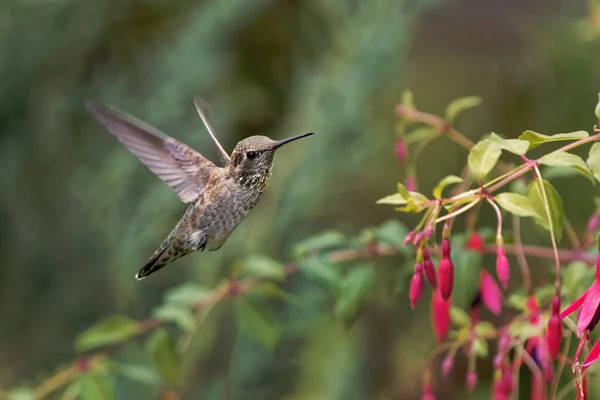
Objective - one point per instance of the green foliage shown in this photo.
(420, 134)
(392, 232)
(265, 267)
(317, 269)
(258, 323)
(114, 329)
(517, 204)
(467, 270)
(354, 288)
(515, 146)
(323, 241)
(459, 317)
(459, 105)
(593, 160)
(568, 160)
(95, 386)
(448, 180)
(536, 139)
(484, 156)
(167, 360)
(536, 193)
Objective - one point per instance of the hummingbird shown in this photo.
(219, 197)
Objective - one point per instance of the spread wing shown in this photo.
(178, 165)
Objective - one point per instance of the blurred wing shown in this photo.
(178, 165)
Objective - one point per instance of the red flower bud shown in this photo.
(409, 237)
(447, 364)
(490, 293)
(441, 315)
(400, 150)
(418, 238)
(429, 231)
(427, 392)
(554, 332)
(446, 278)
(471, 380)
(416, 287)
(502, 267)
(446, 248)
(475, 243)
(411, 183)
(429, 269)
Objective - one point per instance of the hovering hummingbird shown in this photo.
(219, 197)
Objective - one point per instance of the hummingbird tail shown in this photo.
(162, 257)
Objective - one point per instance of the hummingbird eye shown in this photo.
(252, 154)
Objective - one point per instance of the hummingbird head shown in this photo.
(252, 158)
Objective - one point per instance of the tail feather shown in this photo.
(162, 257)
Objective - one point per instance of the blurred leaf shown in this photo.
(564, 159)
(404, 192)
(392, 232)
(395, 199)
(597, 109)
(187, 294)
(355, 287)
(535, 139)
(467, 270)
(544, 293)
(316, 269)
(424, 132)
(550, 172)
(593, 160)
(114, 329)
(95, 387)
(449, 180)
(408, 99)
(183, 317)
(483, 157)
(518, 301)
(139, 373)
(572, 278)
(485, 328)
(21, 394)
(264, 267)
(162, 350)
(271, 290)
(524, 330)
(515, 146)
(459, 105)
(480, 346)
(535, 195)
(517, 204)
(459, 317)
(325, 240)
(258, 323)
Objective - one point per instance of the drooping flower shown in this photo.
(440, 311)
(491, 295)
(411, 183)
(475, 242)
(446, 277)
(471, 380)
(554, 331)
(502, 266)
(447, 364)
(429, 268)
(400, 150)
(409, 237)
(427, 392)
(416, 285)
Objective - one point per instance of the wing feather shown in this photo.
(179, 166)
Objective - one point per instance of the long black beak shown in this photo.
(284, 141)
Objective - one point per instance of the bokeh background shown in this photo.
(79, 214)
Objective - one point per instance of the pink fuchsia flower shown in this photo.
(502, 266)
(429, 269)
(427, 392)
(475, 243)
(491, 295)
(537, 347)
(471, 380)
(416, 285)
(401, 150)
(440, 312)
(409, 237)
(554, 331)
(588, 315)
(411, 183)
(446, 278)
(447, 364)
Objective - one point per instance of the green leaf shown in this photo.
(573, 277)
(467, 271)
(524, 330)
(21, 394)
(518, 301)
(535, 139)
(95, 387)
(597, 109)
(111, 330)
(316, 269)
(408, 98)
(270, 290)
(480, 346)
(404, 192)
(187, 294)
(325, 240)
(485, 328)
(550, 173)
(258, 323)
(484, 156)
(459, 105)
(139, 373)
(449, 180)
(420, 134)
(564, 159)
(264, 267)
(183, 317)
(535, 195)
(395, 199)
(355, 287)
(391, 232)
(515, 146)
(161, 348)
(459, 317)
(593, 160)
(544, 294)
(517, 204)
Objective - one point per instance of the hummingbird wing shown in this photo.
(179, 166)
(199, 103)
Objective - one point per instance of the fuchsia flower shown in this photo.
(490, 293)
(446, 271)
(429, 269)
(554, 331)
(475, 243)
(471, 380)
(447, 364)
(427, 392)
(416, 285)
(588, 315)
(502, 267)
(400, 150)
(411, 183)
(440, 311)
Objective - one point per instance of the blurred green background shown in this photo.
(80, 215)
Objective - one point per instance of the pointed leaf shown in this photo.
(95, 387)
(485, 328)
(593, 160)
(459, 317)
(524, 330)
(484, 156)
(111, 330)
(480, 346)
(395, 199)
(323, 241)
(551, 172)
(535, 139)
(318, 270)
(392, 232)
(419, 134)
(355, 287)
(408, 98)
(517, 204)
(515, 146)
(183, 317)
(162, 350)
(569, 160)
(535, 195)
(187, 294)
(449, 180)
(21, 394)
(258, 323)
(263, 267)
(467, 272)
(139, 373)
(459, 105)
